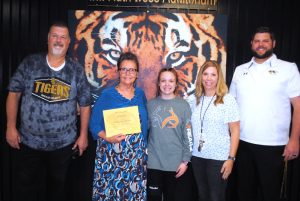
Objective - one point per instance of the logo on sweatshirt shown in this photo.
(170, 121)
(51, 89)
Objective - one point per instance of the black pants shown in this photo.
(163, 184)
(210, 185)
(41, 175)
(259, 169)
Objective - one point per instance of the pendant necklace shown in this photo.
(201, 140)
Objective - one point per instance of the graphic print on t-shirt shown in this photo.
(51, 89)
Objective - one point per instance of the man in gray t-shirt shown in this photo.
(51, 87)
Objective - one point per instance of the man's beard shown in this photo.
(57, 51)
(267, 54)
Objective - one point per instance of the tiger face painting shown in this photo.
(173, 40)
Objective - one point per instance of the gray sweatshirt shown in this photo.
(170, 136)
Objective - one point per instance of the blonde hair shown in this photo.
(221, 89)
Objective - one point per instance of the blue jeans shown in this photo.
(210, 185)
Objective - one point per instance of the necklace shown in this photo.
(201, 141)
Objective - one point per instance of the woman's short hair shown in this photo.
(128, 56)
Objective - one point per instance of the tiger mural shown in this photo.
(174, 40)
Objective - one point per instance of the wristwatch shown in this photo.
(231, 158)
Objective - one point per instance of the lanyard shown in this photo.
(202, 119)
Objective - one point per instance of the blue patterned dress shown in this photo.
(120, 168)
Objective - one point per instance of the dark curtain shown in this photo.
(24, 26)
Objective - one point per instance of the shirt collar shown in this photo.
(271, 62)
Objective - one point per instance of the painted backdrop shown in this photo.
(174, 40)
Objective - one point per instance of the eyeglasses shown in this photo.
(130, 70)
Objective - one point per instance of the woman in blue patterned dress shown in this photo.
(120, 164)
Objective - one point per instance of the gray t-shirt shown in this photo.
(170, 136)
(48, 108)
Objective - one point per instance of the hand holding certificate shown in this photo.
(122, 120)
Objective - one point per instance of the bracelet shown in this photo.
(231, 158)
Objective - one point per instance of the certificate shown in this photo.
(122, 120)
